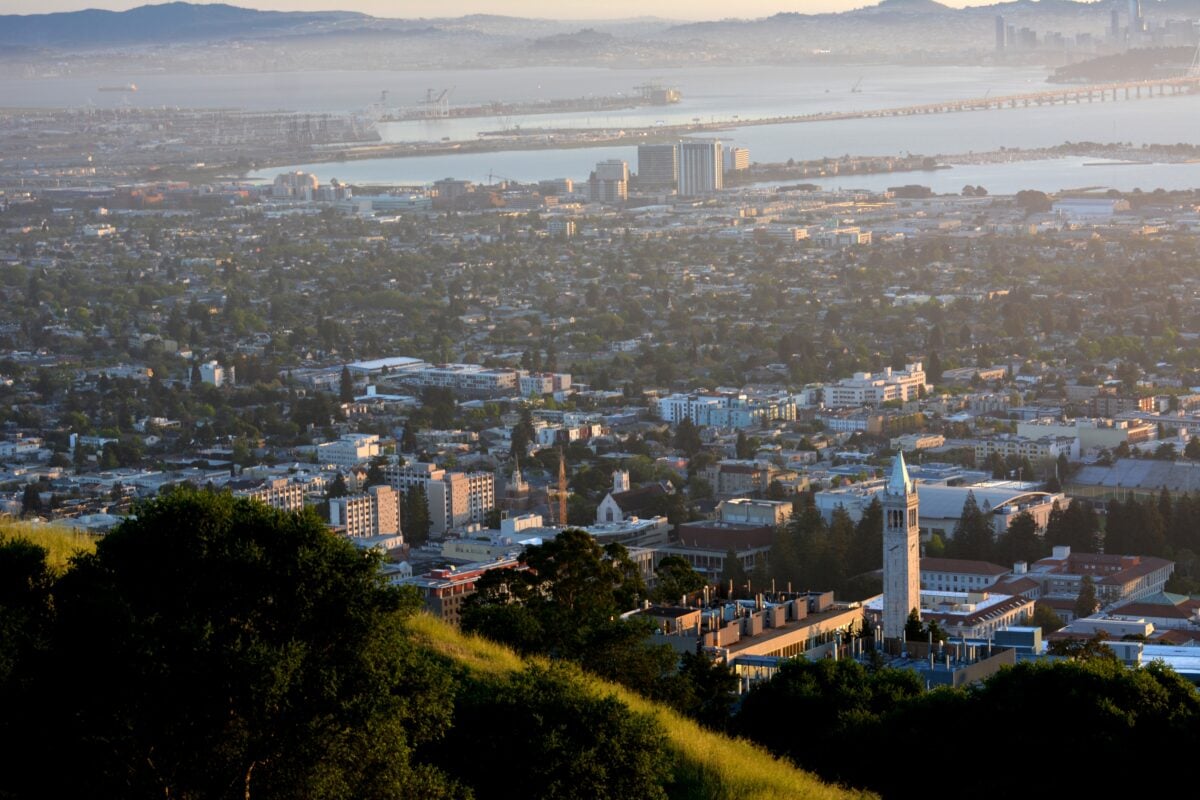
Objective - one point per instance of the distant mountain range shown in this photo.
(884, 30)
(170, 22)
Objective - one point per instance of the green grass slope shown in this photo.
(60, 543)
(708, 765)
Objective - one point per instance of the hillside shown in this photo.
(1139, 64)
(169, 22)
(886, 30)
(707, 764)
(60, 543)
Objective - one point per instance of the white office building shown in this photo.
(349, 450)
(701, 168)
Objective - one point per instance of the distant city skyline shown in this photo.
(580, 9)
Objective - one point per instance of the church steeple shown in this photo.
(517, 484)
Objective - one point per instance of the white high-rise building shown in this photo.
(609, 183)
(454, 499)
(376, 512)
(701, 168)
(901, 551)
(212, 373)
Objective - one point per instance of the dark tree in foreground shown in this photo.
(25, 613)
(559, 740)
(231, 650)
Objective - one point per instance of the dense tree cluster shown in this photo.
(860, 725)
(565, 601)
(216, 648)
(809, 553)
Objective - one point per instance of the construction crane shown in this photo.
(436, 104)
(562, 488)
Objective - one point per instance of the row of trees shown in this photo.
(1164, 526)
(975, 537)
(809, 553)
(1090, 711)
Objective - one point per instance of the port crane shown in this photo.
(857, 87)
(436, 104)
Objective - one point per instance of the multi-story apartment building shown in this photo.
(1110, 405)
(278, 493)
(375, 512)
(540, 383)
(349, 450)
(467, 378)
(867, 389)
(455, 499)
(1044, 448)
(737, 159)
(726, 410)
(734, 478)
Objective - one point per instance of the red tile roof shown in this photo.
(962, 566)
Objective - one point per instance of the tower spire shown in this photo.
(518, 480)
(899, 482)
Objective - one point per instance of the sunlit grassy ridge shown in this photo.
(708, 765)
(60, 543)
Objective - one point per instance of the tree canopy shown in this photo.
(220, 627)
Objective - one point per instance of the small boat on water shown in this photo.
(128, 87)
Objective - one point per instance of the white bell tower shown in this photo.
(901, 551)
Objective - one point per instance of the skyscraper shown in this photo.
(901, 551)
(609, 183)
(1000, 31)
(701, 168)
(658, 166)
(1136, 22)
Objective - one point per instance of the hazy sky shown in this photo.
(572, 9)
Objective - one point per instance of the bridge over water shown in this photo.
(1063, 95)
